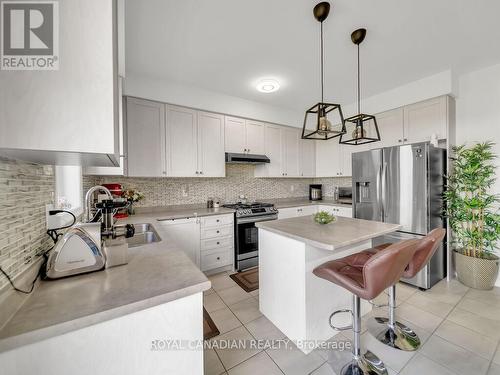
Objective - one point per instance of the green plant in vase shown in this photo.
(472, 211)
(132, 196)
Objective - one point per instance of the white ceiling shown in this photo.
(227, 45)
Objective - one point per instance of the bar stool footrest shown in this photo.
(343, 311)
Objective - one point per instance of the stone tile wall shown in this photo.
(25, 189)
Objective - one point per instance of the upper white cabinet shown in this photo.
(423, 119)
(244, 136)
(333, 159)
(182, 142)
(307, 157)
(274, 151)
(390, 126)
(69, 115)
(211, 160)
(290, 146)
(145, 138)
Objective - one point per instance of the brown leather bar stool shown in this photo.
(366, 275)
(388, 330)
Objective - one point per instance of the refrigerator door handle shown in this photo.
(379, 193)
(384, 189)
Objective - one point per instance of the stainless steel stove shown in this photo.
(247, 234)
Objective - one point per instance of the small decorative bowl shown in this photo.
(324, 217)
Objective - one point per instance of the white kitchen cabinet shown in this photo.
(67, 116)
(274, 151)
(145, 138)
(346, 158)
(289, 212)
(217, 242)
(334, 159)
(121, 169)
(336, 210)
(390, 124)
(235, 135)
(182, 142)
(307, 158)
(423, 119)
(244, 136)
(185, 233)
(211, 160)
(290, 145)
(254, 137)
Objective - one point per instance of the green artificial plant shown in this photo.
(471, 208)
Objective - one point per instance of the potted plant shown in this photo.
(473, 215)
(132, 196)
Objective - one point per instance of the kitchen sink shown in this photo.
(144, 234)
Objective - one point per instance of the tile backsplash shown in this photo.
(25, 189)
(239, 180)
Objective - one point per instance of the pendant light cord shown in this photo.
(322, 75)
(359, 87)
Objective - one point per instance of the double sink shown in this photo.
(145, 234)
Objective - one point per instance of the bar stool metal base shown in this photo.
(399, 336)
(366, 364)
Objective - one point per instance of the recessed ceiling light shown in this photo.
(268, 85)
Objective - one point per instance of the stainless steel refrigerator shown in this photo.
(403, 185)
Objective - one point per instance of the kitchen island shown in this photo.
(290, 295)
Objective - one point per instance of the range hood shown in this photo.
(233, 158)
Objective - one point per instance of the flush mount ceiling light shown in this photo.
(321, 127)
(362, 128)
(268, 85)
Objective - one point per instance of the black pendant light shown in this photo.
(317, 115)
(361, 128)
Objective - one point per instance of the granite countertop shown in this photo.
(344, 232)
(181, 211)
(297, 202)
(157, 273)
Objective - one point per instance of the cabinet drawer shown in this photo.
(215, 221)
(215, 259)
(217, 243)
(217, 232)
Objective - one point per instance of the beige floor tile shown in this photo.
(232, 295)
(337, 349)
(491, 297)
(213, 302)
(494, 369)
(480, 308)
(405, 291)
(496, 357)
(258, 364)
(231, 356)
(209, 291)
(225, 320)
(421, 365)
(448, 292)
(489, 328)
(438, 308)
(246, 310)
(454, 357)
(212, 363)
(263, 329)
(467, 339)
(415, 315)
(255, 293)
(293, 361)
(221, 281)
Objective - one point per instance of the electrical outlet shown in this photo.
(184, 190)
(292, 188)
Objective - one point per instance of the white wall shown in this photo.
(478, 109)
(173, 93)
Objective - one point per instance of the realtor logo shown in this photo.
(29, 35)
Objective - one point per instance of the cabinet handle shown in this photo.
(399, 140)
(218, 232)
(218, 243)
(218, 258)
(245, 150)
(405, 139)
(217, 220)
(201, 172)
(164, 172)
(248, 150)
(196, 172)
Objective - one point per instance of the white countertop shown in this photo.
(343, 232)
(157, 273)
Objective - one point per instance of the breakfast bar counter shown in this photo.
(290, 295)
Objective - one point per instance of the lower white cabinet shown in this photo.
(208, 241)
(285, 213)
(336, 210)
(186, 234)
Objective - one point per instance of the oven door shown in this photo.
(247, 236)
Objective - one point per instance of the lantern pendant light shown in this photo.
(317, 115)
(361, 128)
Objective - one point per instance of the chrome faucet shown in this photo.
(88, 196)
